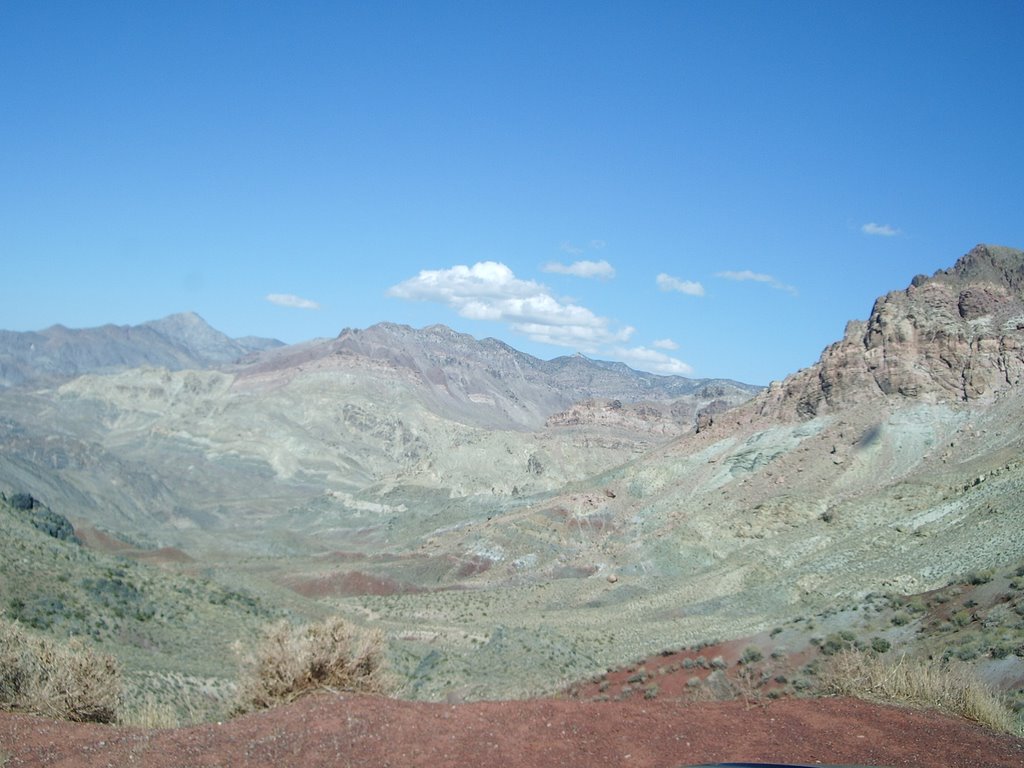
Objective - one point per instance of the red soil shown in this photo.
(105, 542)
(342, 730)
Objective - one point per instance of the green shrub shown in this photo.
(838, 641)
(979, 577)
(751, 655)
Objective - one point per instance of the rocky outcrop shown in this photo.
(651, 418)
(954, 337)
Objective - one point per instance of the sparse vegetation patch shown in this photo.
(293, 661)
(65, 681)
(949, 686)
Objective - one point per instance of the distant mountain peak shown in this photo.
(188, 328)
(182, 340)
(181, 319)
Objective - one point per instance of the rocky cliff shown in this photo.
(956, 336)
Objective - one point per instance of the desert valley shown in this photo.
(514, 528)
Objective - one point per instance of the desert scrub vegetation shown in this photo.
(948, 686)
(292, 661)
(153, 618)
(64, 681)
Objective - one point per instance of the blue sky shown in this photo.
(712, 188)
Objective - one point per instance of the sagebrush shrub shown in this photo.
(292, 661)
(65, 681)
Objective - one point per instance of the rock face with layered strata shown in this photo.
(956, 336)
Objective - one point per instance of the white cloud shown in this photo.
(757, 277)
(689, 287)
(651, 360)
(601, 269)
(291, 300)
(597, 244)
(882, 230)
(586, 338)
(746, 274)
(489, 290)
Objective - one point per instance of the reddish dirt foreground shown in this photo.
(336, 730)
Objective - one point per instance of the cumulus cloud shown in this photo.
(652, 360)
(689, 287)
(881, 230)
(601, 269)
(291, 300)
(757, 277)
(489, 290)
(664, 344)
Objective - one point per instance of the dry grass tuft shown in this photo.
(65, 681)
(150, 713)
(293, 661)
(950, 687)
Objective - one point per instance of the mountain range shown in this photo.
(388, 406)
(177, 342)
(477, 504)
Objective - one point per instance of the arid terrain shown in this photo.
(617, 547)
(331, 730)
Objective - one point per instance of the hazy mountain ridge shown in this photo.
(177, 342)
(486, 382)
(385, 408)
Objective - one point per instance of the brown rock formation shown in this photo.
(956, 336)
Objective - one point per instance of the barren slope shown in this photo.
(330, 730)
